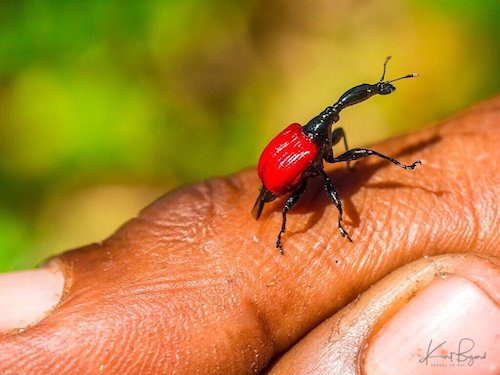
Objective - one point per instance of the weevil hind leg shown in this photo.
(291, 201)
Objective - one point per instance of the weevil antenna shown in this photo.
(411, 75)
(385, 66)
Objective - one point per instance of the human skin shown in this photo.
(194, 283)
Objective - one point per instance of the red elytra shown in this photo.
(286, 159)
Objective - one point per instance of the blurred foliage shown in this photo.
(104, 105)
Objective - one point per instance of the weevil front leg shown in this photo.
(358, 153)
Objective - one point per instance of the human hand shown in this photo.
(195, 284)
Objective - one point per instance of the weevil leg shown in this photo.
(338, 134)
(289, 204)
(334, 197)
(358, 153)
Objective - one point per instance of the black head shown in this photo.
(385, 87)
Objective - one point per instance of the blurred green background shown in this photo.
(106, 105)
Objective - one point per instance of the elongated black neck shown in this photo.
(320, 126)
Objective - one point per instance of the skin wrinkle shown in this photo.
(112, 330)
(474, 215)
(42, 357)
(430, 236)
(185, 337)
(364, 260)
(176, 285)
(412, 234)
(29, 353)
(465, 220)
(488, 209)
(179, 224)
(133, 330)
(148, 349)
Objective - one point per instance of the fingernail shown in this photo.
(451, 325)
(26, 297)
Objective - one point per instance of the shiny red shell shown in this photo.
(285, 160)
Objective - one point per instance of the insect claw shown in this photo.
(414, 165)
(278, 246)
(344, 234)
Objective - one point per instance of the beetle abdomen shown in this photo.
(285, 160)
